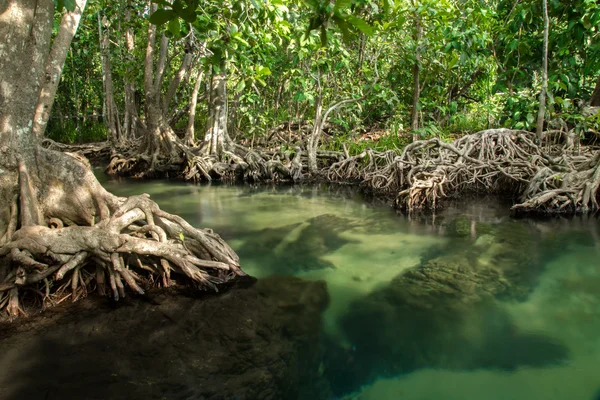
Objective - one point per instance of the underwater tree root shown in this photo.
(48, 253)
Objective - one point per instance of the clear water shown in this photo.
(469, 305)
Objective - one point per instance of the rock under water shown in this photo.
(446, 313)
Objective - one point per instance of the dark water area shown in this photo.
(348, 300)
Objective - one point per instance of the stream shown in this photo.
(469, 304)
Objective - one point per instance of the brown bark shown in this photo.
(177, 79)
(60, 221)
(595, 99)
(54, 66)
(190, 136)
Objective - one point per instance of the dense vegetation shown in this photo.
(432, 68)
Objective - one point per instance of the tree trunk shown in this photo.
(177, 79)
(159, 139)
(190, 136)
(217, 138)
(56, 220)
(111, 118)
(595, 99)
(539, 127)
(68, 27)
(131, 118)
(414, 119)
(313, 140)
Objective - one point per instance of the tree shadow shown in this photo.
(254, 340)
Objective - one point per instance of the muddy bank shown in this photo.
(257, 340)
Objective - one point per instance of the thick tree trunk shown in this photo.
(595, 99)
(217, 138)
(414, 118)
(539, 127)
(62, 42)
(56, 220)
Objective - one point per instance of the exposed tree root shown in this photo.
(549, 178)
(193, 163)
(70, 236)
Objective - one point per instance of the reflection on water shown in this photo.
(467, 305)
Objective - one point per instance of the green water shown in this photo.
(468, 305)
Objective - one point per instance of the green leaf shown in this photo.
(323, 36)
(341, 5)
(240, 86)
(161, 16)
(262, 70)
(343, 25)
(314, 4)
(360, 24)
(163, 3)
(69, 4)
(188, 15)
(240, 39)
(174, 27)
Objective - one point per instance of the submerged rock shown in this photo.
(258, 340)
(446, 313)
(459, 226)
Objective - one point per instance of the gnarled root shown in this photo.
(551, 178)
(127, 243)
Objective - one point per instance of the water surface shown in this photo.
(470, 304)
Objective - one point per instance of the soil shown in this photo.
(257, 339)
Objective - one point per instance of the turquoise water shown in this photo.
(470, 304)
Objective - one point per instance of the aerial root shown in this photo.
(549, 178)
(138, 246)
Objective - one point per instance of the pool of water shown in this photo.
(471, 304)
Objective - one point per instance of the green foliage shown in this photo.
(69, 5)
(479, 63)
(70, 132)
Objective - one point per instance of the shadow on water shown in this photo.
(296, 247)
(258, 340)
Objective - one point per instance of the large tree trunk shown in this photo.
(66, 32)
(539, 127)
(217, 138)
(61, 233)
